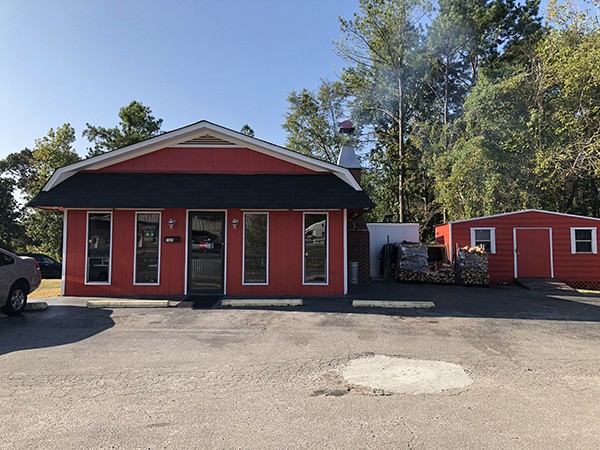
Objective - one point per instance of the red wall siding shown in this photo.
(442, 236)
(206, 160)
(285, 256)
(171, 275)
(567, 267)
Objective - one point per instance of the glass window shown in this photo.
(98, 247)
(484, 237)
(583, 240)
(255, 248)
(315, 248)
(5, 260)
(45, 260)
(147, 248)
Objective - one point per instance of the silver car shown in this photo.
(19, 276)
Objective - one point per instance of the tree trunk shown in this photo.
(446, 80)
(401, 206)
(446, 101)
(595, 195)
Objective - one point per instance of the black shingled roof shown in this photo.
(202, 191)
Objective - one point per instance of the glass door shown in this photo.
(206, 252)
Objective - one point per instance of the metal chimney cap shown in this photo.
(346, 127)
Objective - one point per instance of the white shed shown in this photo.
(396, 232)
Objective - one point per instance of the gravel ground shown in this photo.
(74, 378)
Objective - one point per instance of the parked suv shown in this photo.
(19, 276)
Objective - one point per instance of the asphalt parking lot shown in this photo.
(268, 378)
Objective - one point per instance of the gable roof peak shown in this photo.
(202, 133)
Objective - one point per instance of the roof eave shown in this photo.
(575, 216)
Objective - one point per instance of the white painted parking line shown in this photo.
(393, 304)
(263, 302)
(127, 304)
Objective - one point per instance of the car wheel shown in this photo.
(17, 299)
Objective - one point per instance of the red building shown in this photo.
(204, 210)
(531, 244)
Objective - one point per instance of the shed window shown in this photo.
(98, 267)
(256, 248)
(484, 237)
(583, 240)
(315, 248)
(147, 248)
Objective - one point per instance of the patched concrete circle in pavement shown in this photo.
(405, 376)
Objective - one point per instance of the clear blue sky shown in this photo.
(229, 61)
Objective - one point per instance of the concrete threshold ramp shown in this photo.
(263, 302)
(544, 284)
(402, 304)
(114, 303)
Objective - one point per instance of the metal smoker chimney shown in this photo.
(347, 157)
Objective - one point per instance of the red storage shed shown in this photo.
(204, 210)
(531, 244)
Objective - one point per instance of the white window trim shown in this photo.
(63, 275)
(244, 249)
(160, 229)
(87, 244)
(326, 283)
(594, 231)
(492, 237)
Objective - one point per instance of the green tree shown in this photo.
(529, 135)
(247, 130)
(11, 231)
(312, 120)
(380, 44)
(136, 124)
(466, 39)
(31, 169)
(490, 164)
(566, 110)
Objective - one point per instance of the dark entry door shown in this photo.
(532, 251)
(206, 252)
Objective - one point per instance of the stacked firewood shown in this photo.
(412, 265)
(444, 275)
(473, 266)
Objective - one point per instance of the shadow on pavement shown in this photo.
(203, 301)
(508, 302)
(58, 325)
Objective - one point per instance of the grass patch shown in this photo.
(48, 289)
